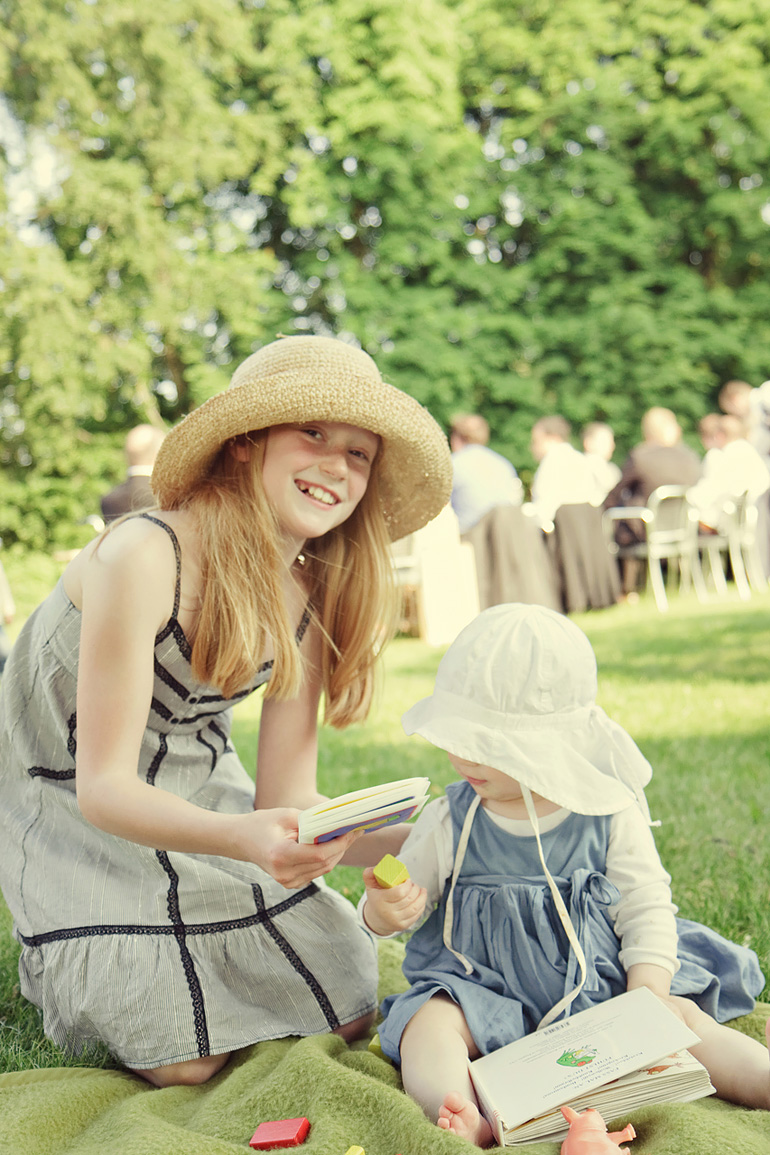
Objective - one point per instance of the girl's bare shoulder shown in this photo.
(137, 551)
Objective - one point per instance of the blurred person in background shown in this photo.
(598, 448)
(710, 434)
(731, 467)
(661, 458)
(134, 493)
(482, 478)
(563, 476)
(752, 406)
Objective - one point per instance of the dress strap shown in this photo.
(304, 620)
(177, 555)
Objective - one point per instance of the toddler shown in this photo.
(545, 890)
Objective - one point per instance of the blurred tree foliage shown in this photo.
(516, 206)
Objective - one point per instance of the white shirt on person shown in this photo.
(605, 475)
(563, 477)
(482, 480)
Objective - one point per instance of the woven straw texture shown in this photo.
(322, 379)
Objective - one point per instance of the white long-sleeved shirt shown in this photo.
(644, 918)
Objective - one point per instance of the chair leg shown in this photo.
(678, 566)
(740, 576)
(754, 569)
(698, 580)
(716, 568)
(655, 571)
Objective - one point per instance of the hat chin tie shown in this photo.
(566, 921)
(462, 846)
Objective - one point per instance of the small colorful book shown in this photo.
(366, 809)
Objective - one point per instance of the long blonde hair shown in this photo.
(348, 572)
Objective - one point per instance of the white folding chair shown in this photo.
(670, 535)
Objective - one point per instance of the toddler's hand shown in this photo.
(388, 910)
(674, 1004)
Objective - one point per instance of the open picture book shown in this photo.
(365, 809)
(617, 1056)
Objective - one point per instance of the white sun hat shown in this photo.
(516, 691)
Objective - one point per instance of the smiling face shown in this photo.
(315, 474)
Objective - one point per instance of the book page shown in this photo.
(568, 1058)
(678, 1077)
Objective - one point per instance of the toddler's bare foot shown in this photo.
(463, 1118)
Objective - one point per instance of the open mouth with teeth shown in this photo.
(317, 493)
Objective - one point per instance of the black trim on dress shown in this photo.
(60, 775)
(191, 929)
(154, 766)
(190, 973)
(212, 750)
(53, 775)
(292, 957)
(168, 679)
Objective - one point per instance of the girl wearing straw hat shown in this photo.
(164, 909)
(540, 871)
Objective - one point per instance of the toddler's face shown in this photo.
(498, 791)
(490, 784)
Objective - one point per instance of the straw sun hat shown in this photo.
(516, 690)
(317, 379)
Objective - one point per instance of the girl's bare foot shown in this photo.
(463, 1118)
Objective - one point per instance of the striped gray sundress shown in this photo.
(160, 955)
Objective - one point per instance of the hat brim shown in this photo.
(571, 768)
(326, 381)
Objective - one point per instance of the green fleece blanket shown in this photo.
(350, 1096)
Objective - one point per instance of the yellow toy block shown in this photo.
(390, 872)
(355, 1151)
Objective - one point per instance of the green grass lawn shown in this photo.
(691, 686)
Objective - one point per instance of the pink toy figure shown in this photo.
(588, 1135)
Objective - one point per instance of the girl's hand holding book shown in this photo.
(392, 909)
(269, 838)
